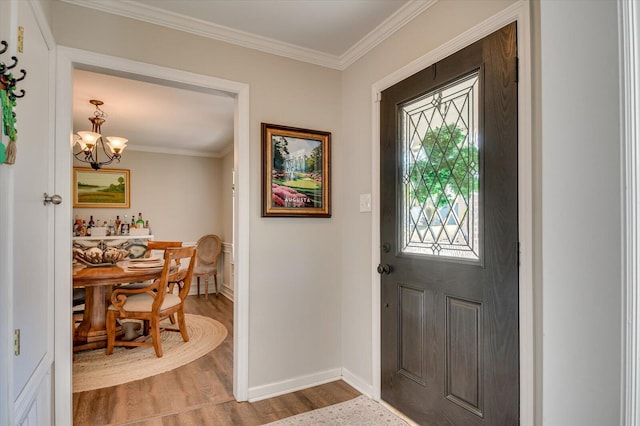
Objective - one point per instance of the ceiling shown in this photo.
(154, 117)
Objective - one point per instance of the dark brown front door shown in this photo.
(449, 233)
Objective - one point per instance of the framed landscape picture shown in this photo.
(101, 188)
(296, 176)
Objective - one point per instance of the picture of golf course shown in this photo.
(296, 174)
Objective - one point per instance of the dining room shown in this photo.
(172, 181)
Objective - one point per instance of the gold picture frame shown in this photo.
(296, 178)
(104, 188)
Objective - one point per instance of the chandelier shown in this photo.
(91, 143)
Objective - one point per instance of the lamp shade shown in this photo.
(78, 140)
(88, 138)
(117, 144)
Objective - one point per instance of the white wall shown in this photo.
(180, 195)
(581, 234)
(295, 264)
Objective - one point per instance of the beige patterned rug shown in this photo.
(360, 411)
(94, 370)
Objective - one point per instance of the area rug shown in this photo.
(360, 411)
(95, 370)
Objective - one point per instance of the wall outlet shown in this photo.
(365, 203)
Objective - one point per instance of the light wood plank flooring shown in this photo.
(199, 393)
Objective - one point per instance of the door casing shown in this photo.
(518, 12)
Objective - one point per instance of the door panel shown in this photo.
(449, 216)
(463, 377)
(411, 308)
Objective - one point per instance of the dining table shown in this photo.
(98, 282)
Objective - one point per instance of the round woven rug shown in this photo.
(94, 369)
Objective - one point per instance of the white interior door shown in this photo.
(32, 219)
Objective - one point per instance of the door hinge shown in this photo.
(518, 253)
(20, 39)
(16, 341)
(517, 69)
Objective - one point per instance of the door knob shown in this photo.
(384, 269)
(55, 199)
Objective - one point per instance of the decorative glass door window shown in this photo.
(440, 172)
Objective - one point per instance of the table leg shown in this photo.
(92, 331)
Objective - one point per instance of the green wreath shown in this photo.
(9, 121)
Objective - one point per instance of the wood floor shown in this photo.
(199, 393)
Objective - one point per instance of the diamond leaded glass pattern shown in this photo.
(440, 172)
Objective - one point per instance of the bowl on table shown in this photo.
(95, 256)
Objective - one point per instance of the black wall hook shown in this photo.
(7, 80)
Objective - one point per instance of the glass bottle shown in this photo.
(118, 223)
(125, 226)
(140, 221)
(77, 226)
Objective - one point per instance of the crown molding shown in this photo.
(154, 15)
(176, 151)
(402, 17)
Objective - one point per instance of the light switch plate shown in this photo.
(365, 203)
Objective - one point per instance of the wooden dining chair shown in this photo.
(157, 246)
(161, 246)
(209, 249)
(152, 303)
(175, 279)
(77, 309)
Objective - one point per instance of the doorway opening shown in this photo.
(72, 59)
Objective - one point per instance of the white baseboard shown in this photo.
(292, 385)
(227, 292)
(303, 382)
(356, 382)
